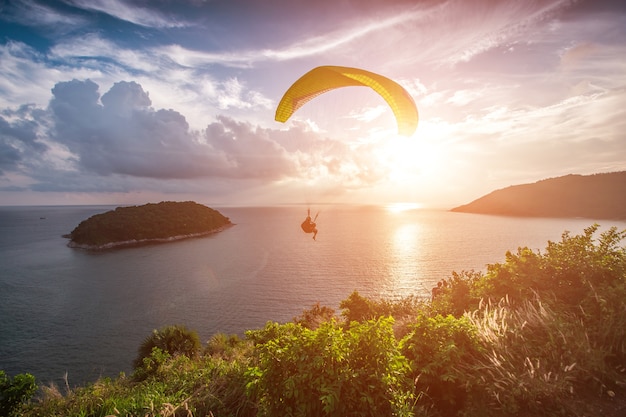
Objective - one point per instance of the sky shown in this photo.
(134, 101)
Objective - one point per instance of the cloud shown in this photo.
(117, 141)
(124, 135)
(294, 47)
(18, 137)
(130, 13)
(233, 94)
(247, 152)
(34, 14)
(578, 134)
(452, 33)
(571, 56)
(198, 91)
(463, 97)
(93, 51)
(22, 78)
(340, 37)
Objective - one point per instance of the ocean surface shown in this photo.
(83, 314)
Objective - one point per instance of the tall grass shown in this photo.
(535, 359)
(203, 386)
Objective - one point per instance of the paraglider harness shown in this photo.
(308, 225)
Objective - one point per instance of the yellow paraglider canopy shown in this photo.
(322, 79)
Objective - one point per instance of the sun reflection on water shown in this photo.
(405, 239)
(405, 247)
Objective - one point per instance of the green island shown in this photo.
(150, 223)
(541, 334)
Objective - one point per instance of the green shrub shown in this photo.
(457, 294)
(439, 349)
(359, 308)
(15, 391)
(169, 340)
(570, 272)
(330, 371)
(313, 317)
(223, 345)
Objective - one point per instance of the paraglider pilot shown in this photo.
(309, 225)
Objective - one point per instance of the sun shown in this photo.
(408, 158)
(415, 167)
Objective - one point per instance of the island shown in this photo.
(597, 196)
(150, 223)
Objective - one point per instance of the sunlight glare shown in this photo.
(403, 206)
(422, 155)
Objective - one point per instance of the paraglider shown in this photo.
(325, 78)
(308, 225)
(329, 77)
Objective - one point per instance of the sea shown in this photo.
(72, 316)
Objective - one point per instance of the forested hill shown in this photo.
(599, 196)
(148, 223)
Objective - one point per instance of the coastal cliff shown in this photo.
(599, 196)
(149, 223)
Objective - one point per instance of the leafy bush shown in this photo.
(331, 371)
(315, 316)
(570, 272)
(168, 341)
(223, 345)
(359, 308)
(15, 391)
(439, 349)
(459, 293)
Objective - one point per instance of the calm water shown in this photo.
(68, 310)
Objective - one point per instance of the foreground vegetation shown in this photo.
(541, 334)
